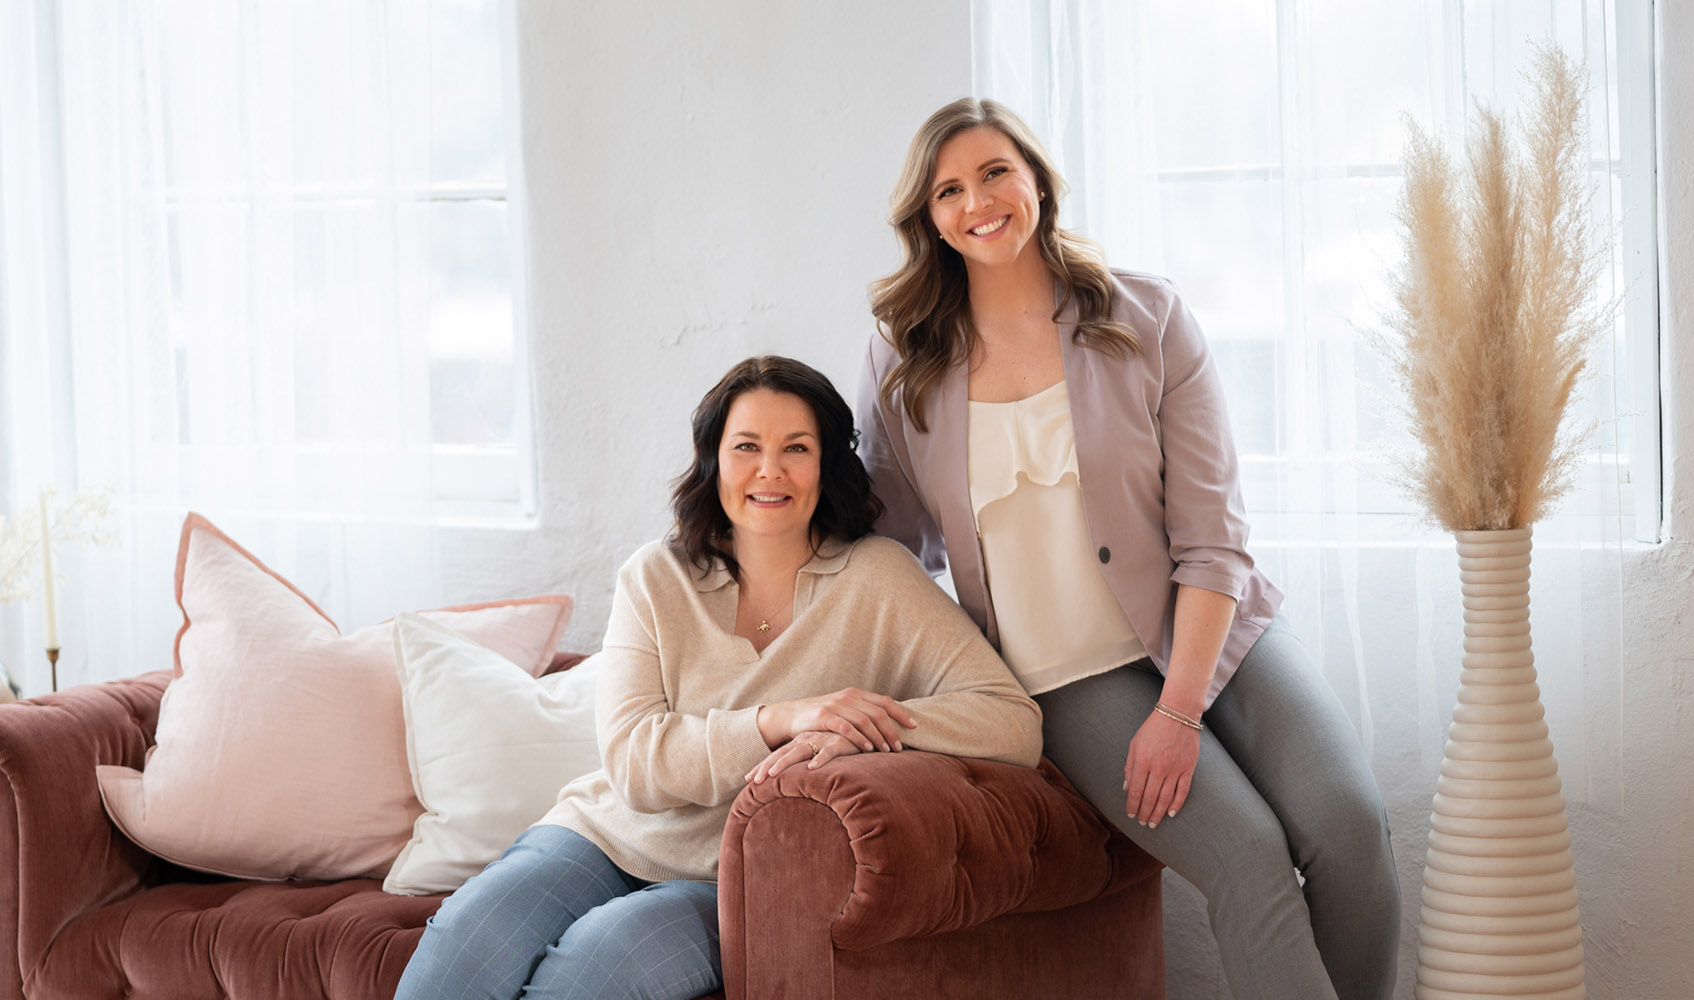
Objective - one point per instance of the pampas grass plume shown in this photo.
(1495, 309)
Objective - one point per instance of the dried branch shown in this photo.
(81, 520)
(1495, 310)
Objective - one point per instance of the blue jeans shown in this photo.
(1282, 785)
(553, 918)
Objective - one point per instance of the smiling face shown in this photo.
(984, 198)
(769, 465)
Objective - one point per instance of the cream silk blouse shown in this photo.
(1059, 621)
(1154, 456)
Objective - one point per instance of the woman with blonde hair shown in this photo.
(1054, 431)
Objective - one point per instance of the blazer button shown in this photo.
(1105, 554)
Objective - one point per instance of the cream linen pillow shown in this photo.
(281, 744)
(490, 747)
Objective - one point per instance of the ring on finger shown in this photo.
(814, 746)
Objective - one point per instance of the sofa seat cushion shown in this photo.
(237, 940)
(234, 939)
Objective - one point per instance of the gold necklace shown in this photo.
(764, 625)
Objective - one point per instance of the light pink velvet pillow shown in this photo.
(281, 745)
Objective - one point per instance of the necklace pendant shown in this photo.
(764, 625)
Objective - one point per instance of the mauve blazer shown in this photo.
(1156, 461)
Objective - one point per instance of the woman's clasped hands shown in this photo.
(816, 730)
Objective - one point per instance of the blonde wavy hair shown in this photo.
(923, 308)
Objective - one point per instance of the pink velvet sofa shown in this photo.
(895, 875)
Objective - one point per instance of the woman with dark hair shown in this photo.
(722, 643)
(1055, 431)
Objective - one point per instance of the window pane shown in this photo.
(336, 299)
(1224, 238)
(470, 324)
(1365, 65)
(198, 121)
(214, 378)
(1248, 368)
(1211, 104)
(465, 92)
(322, 94)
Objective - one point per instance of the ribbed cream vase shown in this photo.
(1499, 912)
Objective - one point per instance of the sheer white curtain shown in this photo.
(225, 233)
(1250, 151)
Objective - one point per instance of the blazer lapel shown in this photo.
(1094, 458)
(942, 456)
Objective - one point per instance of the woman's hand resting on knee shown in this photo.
(813, 749)
(1164, 751)
(870, 721)
(1160, 766)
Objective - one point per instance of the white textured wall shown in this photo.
(709, 181)
(705, 182)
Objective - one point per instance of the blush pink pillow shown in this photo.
(281, 744)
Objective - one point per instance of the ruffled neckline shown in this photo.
(1030, 437)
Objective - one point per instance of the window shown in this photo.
(1251, 151)
(289, 227)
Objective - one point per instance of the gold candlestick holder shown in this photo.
(53, 664)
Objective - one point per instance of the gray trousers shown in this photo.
(1281, 784)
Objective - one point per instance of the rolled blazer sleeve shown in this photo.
(657, 758)
(1205, 517)
(882, 447)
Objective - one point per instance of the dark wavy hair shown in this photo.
(846, 505)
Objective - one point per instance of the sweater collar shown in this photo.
(830, 558)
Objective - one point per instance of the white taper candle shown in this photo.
(51, 610)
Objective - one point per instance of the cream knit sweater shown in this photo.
(679, 692)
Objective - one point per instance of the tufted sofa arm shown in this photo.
(54, 834)
(876, 848)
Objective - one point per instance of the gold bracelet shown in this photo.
(1171, 713)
